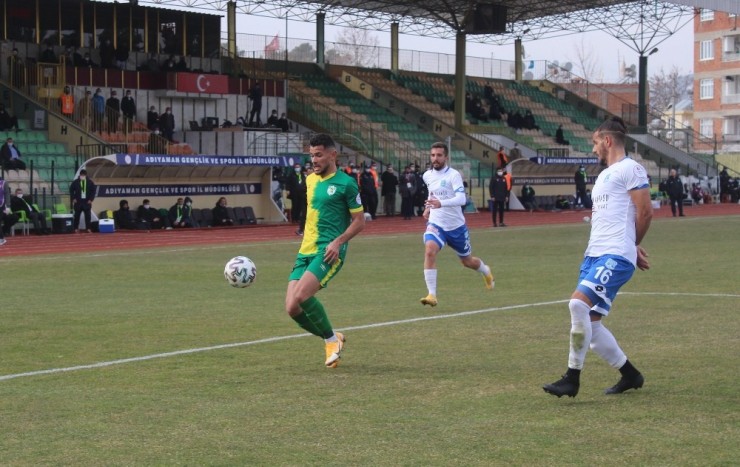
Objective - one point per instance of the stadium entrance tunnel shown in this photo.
(243, 180)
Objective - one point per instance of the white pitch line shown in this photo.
(350, 328)
(262, 341)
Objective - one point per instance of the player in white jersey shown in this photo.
(621, 217)
(443, 211)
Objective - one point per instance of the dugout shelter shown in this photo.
(243, 180)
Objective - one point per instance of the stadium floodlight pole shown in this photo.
(642, 91)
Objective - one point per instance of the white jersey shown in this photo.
(446, 185)
(614, 213)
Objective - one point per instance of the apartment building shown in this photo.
(717, 81)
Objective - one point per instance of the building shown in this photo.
(717, 82)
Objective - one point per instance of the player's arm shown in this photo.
(356, 225)
(643, 216)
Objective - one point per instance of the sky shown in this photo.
(608, 52)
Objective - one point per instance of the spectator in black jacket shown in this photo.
(389, 182)
(221, 214)
(368, 192)
(180, 215)
(295, 184)
(152, 118)
(151, 217)
(10, 156)
(82, 194)
(498, 190)
(674, 188)
(113, 110)
(167, 124)
(528, 198)
(128, 108)
(124, 218)
(21, 203)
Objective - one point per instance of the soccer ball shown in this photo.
(586, 219)
(240, 272)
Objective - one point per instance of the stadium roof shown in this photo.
(628, 21)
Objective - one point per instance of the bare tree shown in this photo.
(587, 63)
(667, 89)
(358, 46)
(303, 53)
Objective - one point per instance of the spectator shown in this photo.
(121, 55)
(128, 108)
(422, 192)
(152, 64)
(67, 103)
(151, 218)
(561, 203)
(21, 204)
(272, 120)
(180, 215)
(724, 186)
(389, 183)
(82, 194)
(502, 158)
(124, 218)
(98, 107)
(7, 221)
(221, 214)
(188, 212)
(697, 194)
(515, 152)
(255, 95)
(86, 110)
(581, 180)
(167, 124)
(152, 118)
(181, 64)
(169, 64)
(529, 199)
(499, 193)
(113, 109)
(107, 54)
(157, 144)
(295, 184)
(48, 55)
(529, 122)
(674, 188)
(16, 68)
(7, 121)
(559, 138)
(282, 122)
(368, 192)
(10, 156)
(77, 58)
(88, 62)
(407, 188)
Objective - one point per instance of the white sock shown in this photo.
(333, 338)
(430, 277)
(605, 345)
(483, 269)
(580, 333)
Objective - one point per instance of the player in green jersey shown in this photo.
(333, 216)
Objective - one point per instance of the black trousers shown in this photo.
(498, 206)
(407, 207)
(677, 201)
(79, 208)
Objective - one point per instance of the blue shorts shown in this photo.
(458, 239)
(601, 278)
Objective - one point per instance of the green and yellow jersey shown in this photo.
(331, 201)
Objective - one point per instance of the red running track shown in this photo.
(133, 240)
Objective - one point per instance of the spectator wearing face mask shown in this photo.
(113, 109)
(20, 203)
(152, 118)
(157, 144)
(389, 182)
(98, 108)
(180, 214)
(82, 194)
(67, 102)
(10, 156)
(128, 108)
(151, 217)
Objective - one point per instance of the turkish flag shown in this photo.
(206, 84)
(273, 46)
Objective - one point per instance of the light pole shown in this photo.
(642, 91)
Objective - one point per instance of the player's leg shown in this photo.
(459, 241)
(434, 241)
(606, 346)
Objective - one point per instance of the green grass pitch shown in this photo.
(459, 389)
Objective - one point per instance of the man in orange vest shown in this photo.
(67, 102)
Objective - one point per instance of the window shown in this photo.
(706, 50)
(23, 26)
(706, 127)
(706, 15)
(706, 89)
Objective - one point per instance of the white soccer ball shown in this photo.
(586, 219)
(240, 272)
